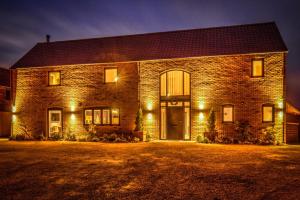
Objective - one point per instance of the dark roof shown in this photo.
(4, 77)
(241, 39)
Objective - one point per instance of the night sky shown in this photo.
(24, 23)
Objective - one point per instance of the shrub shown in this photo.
(202, 139)
(211, 125)
(20, 137)
(70, 137)
(243, 134)
(136, 139)
(139, 120)
(56, 136)
(222, 139)
(112, 137)
(268, 136)
(39, 137)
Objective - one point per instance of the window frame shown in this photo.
(231, 106)
(273, 112)
(166, 85)
(101, 111)
(263, 67)
(109, 68)
(49, 72)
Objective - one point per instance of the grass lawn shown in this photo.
(158, 170)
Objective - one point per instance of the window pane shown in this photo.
(267, 113)
(175, 83)
(88, 116)
(186, 123)
(54, 78)
(228, 114)
(257, 67)
(163, 127)
(111, 75)
(97, 116)
(186, 84)
(106, 116)
(115, 116)
(163, 85)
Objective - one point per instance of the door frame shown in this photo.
(175, 98)
(62, 122)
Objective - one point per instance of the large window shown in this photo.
(54, 78)
(227, 113)
(268, 113)
(102, 116)
(257, 69)
(175, 83)
(111, 75)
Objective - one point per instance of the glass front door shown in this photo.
(55, 122)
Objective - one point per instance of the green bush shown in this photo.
(267, 136)
(139, 120)
(243, 134)
(202, 139)
(56, 136)
(70, 137)
(20, 137)
(212, 133)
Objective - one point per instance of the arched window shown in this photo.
(175, 83)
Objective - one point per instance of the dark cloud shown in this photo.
(26, 22)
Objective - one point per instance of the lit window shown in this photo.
(175, 83)
(54, 78)
(115, 116)
(268, 113)
(111, 75)
(88, 116)
(228, 113)
(257, 68)
(106, 116)
(97, 116)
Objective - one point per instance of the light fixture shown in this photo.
(149, 106)
(201, 116)
(201, 105)
(116, 79)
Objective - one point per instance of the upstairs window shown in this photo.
(175, 83)
(268, 113)
(54, 78)
(257, 69)
(227, 113)
(111, 75)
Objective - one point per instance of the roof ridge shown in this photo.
(160, 32)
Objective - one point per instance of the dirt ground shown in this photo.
(156, 170)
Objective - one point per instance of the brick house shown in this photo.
(176, 77)
(5, 104)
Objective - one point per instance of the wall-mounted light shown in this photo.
(14, 118)
(280, 104)
(201, 116)
(149, 106)
(149, 116)
(13, 109)
(280, 114)
(72, 106)
(201, 105)
(116, 79)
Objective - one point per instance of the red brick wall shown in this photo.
(81, 86)
(216, 81)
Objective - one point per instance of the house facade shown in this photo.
(176, 77)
